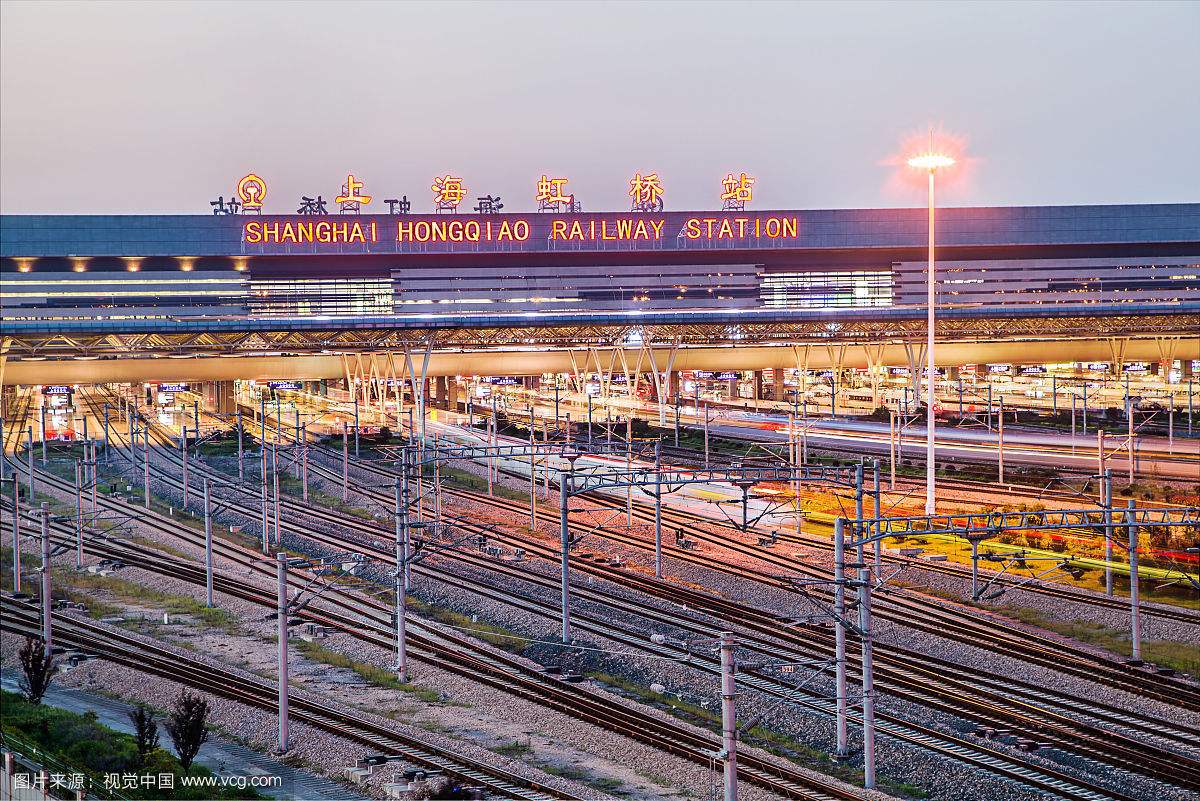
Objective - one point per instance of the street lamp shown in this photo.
(931, 162)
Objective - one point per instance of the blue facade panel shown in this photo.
(199, 235)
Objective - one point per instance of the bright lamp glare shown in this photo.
(930, 161)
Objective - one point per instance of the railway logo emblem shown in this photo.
(252, 191)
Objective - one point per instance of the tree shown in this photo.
(186, 725)
(145, 732)
(37, 668)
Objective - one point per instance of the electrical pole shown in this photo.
(16, 534)
(1106, 490)
(46, 603)
(208, 547)
(868, 677)
(729, 715)
(999, 441)
(78, 515)
(282, 636)
(241, 452)
(145, 466)
(356, 426)
(658, 557)
(1135, 620)
(184, 453)
(400, 585)
(839, 633)
(106, 432)
(345, 462)
(564, 485)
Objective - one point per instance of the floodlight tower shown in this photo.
(930, 161)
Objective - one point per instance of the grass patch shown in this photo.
(367, 672)
(1184, 657)
(500, 637)
(79, 743)
(461, 479)
(767, 739)
(515, 749)
(137, 594)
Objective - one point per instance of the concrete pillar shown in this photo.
(453, 392)
(223, 400)
(777, 375)
(731, 388)
(1185, 367)
(758, 384)
(952, 373)
(672, 385)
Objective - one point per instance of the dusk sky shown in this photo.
(161, 107)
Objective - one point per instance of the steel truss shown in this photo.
(350, 338)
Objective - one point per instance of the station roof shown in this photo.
(36, 236)
(830, 320)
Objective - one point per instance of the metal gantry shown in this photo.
(658, 481)
(857, 574)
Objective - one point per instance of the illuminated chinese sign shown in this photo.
(736, 192)
(172, 388)
(350, 199)
(57, 389)
(448, 192)
(550, 194)
(646, 191)
(289, 385)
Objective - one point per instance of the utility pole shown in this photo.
(241, 452)
(658, 557)
(729, 715)
(304, 461)
(78, 515)
(345, 462)
(184, 453)
(145, 466)
(999, 440)
(106, 432)
(16, 534)
(356, 427)
(706, 407)
(262, 471)
(282, 636)
(839, 634)
(868, 677)
(400, 580)
(29, 456)
(208, 547)
(46, 603)
(275, 487)
(1107, 500)
(1135, 620)
(892, 447)
(565, 479)
(532, 475)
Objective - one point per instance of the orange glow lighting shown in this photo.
(350, 190)
(931, 161)
(252, 191)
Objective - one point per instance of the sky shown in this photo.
(161, 107)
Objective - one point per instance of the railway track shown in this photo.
(900, 607)
(1059, 785)
(145, 656)
(376, 533)
(509, 675)
(688, 457)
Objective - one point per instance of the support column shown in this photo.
(779, 389)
